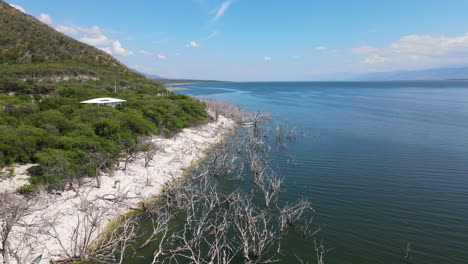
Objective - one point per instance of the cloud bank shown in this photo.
(93, 36)
(417, 51)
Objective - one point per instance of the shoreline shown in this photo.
(182, 83)
(175, 88)
(59, 222)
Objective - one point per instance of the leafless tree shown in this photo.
(254, 229)
(100, 161)
(290, 214)
(13, 211)
(320, 252)
(148, 149)
(129, 155)
(88, 222)
(227, 109)
(271, 188)
(214, 226)
(293, 162)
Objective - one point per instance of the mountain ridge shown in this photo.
(25, 39)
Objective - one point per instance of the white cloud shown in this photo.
(193, 44)
(67, 30)
(296, 57)
(213, 33)
(45, 18)
(96, 40)
(266, 58)
(20, 8)
(321, 48)
(429, 45)
(150, 54)
(91, 36)
(94, 30)
(178, 54)
(376, 59)
(107, 49)
(222, 9)
(365, 50)
(118, 50)
(417, 52)
(94, 36)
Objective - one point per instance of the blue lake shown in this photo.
(383, 163)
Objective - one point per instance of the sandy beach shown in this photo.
(174, 88)
(56, 221)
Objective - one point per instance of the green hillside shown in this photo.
(25, 39)
(43, 77)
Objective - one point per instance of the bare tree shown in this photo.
(271, 189)
(196, 222)
(148, 148)
(290, 214)
(100, 161)
(320, 252)
(129, 154)
(13, 211)
(227, 109)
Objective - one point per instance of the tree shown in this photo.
(13, 211)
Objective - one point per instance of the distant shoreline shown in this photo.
(182, 83)
(175, 88)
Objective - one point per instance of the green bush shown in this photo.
(68, 139)
(44, 75)
(107, 128)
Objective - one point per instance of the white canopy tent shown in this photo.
(104, 101)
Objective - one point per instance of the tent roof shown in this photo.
(103, 100)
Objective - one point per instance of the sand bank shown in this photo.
(174, 88)
(55, 221)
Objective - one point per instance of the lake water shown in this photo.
(383, 163)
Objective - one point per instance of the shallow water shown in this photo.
(384, 163)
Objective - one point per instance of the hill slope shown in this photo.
(44, 75)
(35, 55)
(25, 39)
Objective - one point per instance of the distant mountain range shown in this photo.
(163, 80)
(447, 73)
(429, 74)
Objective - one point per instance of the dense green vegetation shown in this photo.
(43, 77)
(70, 140)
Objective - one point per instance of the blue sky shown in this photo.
(259, 40)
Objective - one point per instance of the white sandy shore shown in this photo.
(118, 193)
(175, 88)
(182, 83)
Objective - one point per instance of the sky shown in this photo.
(265, 40)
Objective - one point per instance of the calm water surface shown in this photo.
(384, 163)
